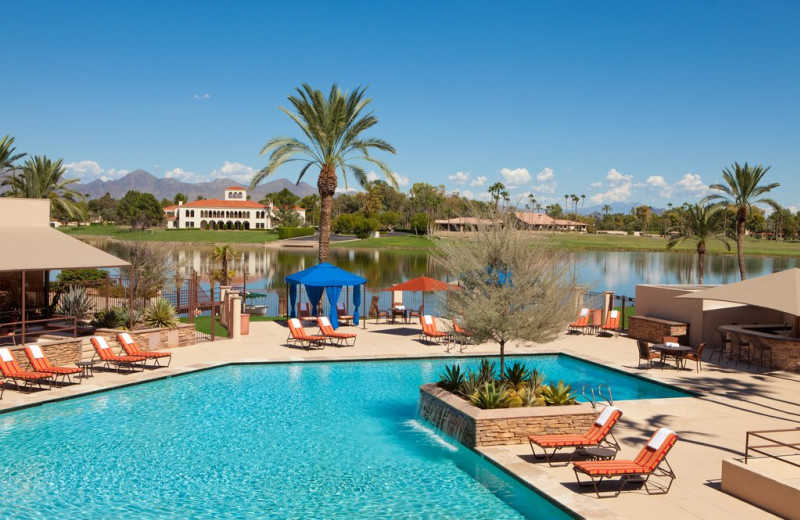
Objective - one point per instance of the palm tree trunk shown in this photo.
(701, 260)
(326, 183)
(740, 245)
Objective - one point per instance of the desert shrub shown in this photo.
(75, 302)
(160, 313)
(113, 318)
(558, 394)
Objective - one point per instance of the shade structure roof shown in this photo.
(424, 284)
(40, 248)
(778, 291)
(325, 275)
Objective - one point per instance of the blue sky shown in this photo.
(620, 101)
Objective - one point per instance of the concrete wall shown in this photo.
(749, 483)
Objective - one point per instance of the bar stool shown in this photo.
(722, 346)
(761, 350)
(741, 348)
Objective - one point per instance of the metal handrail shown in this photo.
(25, 323)
(759, 448)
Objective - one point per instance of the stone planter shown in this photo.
(245, 324)
(474, 427)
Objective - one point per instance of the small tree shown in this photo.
(288, 217)
(140, 210)
(515, 289)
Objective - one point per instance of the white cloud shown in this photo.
(459, 177)
(402, 180)
(467, 194)
(658, 182)
(202, 96)
(691, 185)
(372, 176)
(597, 184)
(182, 175)
(516, 177)
(87, 171)
(234, 170)
(479, 181)
(619, 188)
(546, 182)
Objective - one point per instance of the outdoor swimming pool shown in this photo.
(313, 440)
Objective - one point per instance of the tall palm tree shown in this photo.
(702, 225)
(333, 128)
(606, 209)
(41, 178)
(224, 254)
(496, 190)
(741, 190)
(7, 155)
(583, 201)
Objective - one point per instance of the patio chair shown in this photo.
(298, 336)
(648, 463)
(596, 436)
(670, 339)
(327, 330)
(430, 333)
(375, 312)
(581, 323)
(611, 326)
(461, 335)
(417, 314)
(40, 363)
(696, 356)
(132, 349)
(646, 355)
(107, 356)
(740, 348)
(11, 369)
(341, 314)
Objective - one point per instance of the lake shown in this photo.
(616, 271)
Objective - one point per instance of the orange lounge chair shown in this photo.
(132, 349)
(430, 333)
(341, 314)
(40, 363)
(107, 356)
(461, 335)
(341, 338)
(611, 326)
(582, 322)
(298, 336)
(647, 464)
(596, 436)
(11, 369)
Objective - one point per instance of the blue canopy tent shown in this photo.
(329, 278)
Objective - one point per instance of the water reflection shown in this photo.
(600, 270)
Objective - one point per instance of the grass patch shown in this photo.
(196, 236)
(396, 242)
(203, 324)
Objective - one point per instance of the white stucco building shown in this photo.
(232, 212)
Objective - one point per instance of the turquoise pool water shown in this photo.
(315, 440)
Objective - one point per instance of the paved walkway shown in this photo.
(711, 427)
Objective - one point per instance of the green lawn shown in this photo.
(398, 242)
(199, 236)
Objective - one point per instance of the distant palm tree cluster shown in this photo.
(39, 177)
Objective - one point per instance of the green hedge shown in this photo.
(292, 232)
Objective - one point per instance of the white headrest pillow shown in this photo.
(605, 415)
(659, 438)
(428, 319)
(101, 342)
(325, 321)
(295, 323)
(614, 314)
(126, 337)
(36, 351)
(584, 311)
(5, 355)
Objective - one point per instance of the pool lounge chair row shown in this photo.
(650, 462)
(327, 334)
(45, 373)
(582, 325)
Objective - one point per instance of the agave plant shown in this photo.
(558, 394)
(517, 374)
(160, 313)
(486, 371)
(531, 395)
(109, 319)
(491, 395)
(75, 302)
(452, 378)
(470, 385)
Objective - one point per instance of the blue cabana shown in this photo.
(329, 278)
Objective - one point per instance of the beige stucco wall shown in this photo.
(703, 316)
(24, 212)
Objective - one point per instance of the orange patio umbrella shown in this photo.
(423, 284)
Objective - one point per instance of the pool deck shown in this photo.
(711, 427)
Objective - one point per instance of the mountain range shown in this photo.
(140, 180)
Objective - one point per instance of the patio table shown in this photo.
(400, 312)
(678, 352)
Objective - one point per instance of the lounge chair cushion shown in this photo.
(428, 319)
(101, 342)
(295, 323)
(614, 314)
(325, 321)
(126, 337)
(584, 312)
(658, 439)
(605, 415)
(5, 355)
(36, 351)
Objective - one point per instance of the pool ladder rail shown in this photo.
(607, 396)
